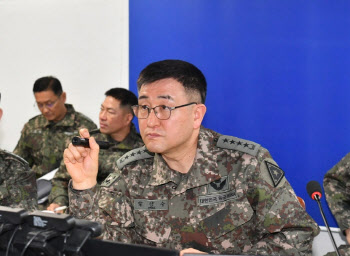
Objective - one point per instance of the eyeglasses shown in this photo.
(162, 112)
(47, 105)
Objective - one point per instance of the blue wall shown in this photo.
(277, 73)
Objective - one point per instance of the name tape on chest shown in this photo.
(151, 205)
(217, 198)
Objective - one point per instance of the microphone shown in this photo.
(77, 141)
(314, 190)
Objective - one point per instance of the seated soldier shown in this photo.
(44, 137)
(116, 128)
(17, 181)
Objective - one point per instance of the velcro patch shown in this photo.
(153, 205)
(275, 172)
(71, 133)
(110, 179)
(218, 186)
(217, 198)
(234, 143)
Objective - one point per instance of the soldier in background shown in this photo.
(336, 185)
(17, 181)
(44, 137)
(117, 128)
(189, 188)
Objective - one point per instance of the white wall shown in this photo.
(84, 43)
(323, 244)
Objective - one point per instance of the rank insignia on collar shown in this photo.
(275, 172)
(110, 179)
(218, 186)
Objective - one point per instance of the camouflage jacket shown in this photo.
(42, 142)
(337, 189)
(17, 182)
(107, 164)
(234, 200)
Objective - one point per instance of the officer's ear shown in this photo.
(199, 113)
(63, 97)
(0, 113)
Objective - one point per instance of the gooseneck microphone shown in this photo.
(77, 141)
(314, 190)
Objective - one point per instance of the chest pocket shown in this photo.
(152, 225)
(227, 219)
(35, 141)
(189, 224)
(116, 209)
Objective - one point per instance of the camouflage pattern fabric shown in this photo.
(344, 250)
(107, 164)
(337, 189)
(42, 142)
(234, 200)
(17, 182)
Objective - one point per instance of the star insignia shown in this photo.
(275, 172)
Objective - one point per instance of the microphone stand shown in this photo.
(317, 198)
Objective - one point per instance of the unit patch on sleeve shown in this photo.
(276, 173)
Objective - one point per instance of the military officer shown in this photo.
(189, 188)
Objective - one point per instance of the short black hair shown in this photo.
(185, 73)
(126, 97)
(48, 83)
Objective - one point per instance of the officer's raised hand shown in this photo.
(82, 163)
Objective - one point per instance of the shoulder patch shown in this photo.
(272, 173)
(133, 155)
(112, 177)
(15, 157)
(231, 142)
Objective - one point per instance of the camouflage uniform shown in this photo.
(107, 163)
(234, 200)
(17, 182)
(42, 142)
(337, 189)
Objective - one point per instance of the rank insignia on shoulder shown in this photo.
(110, 179)
(133, 155)
(234, 143)
(275, 172)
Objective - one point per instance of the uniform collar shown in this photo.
(131, 141)
(203, 171)
(68, 119)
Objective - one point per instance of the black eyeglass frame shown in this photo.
(155, 113)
